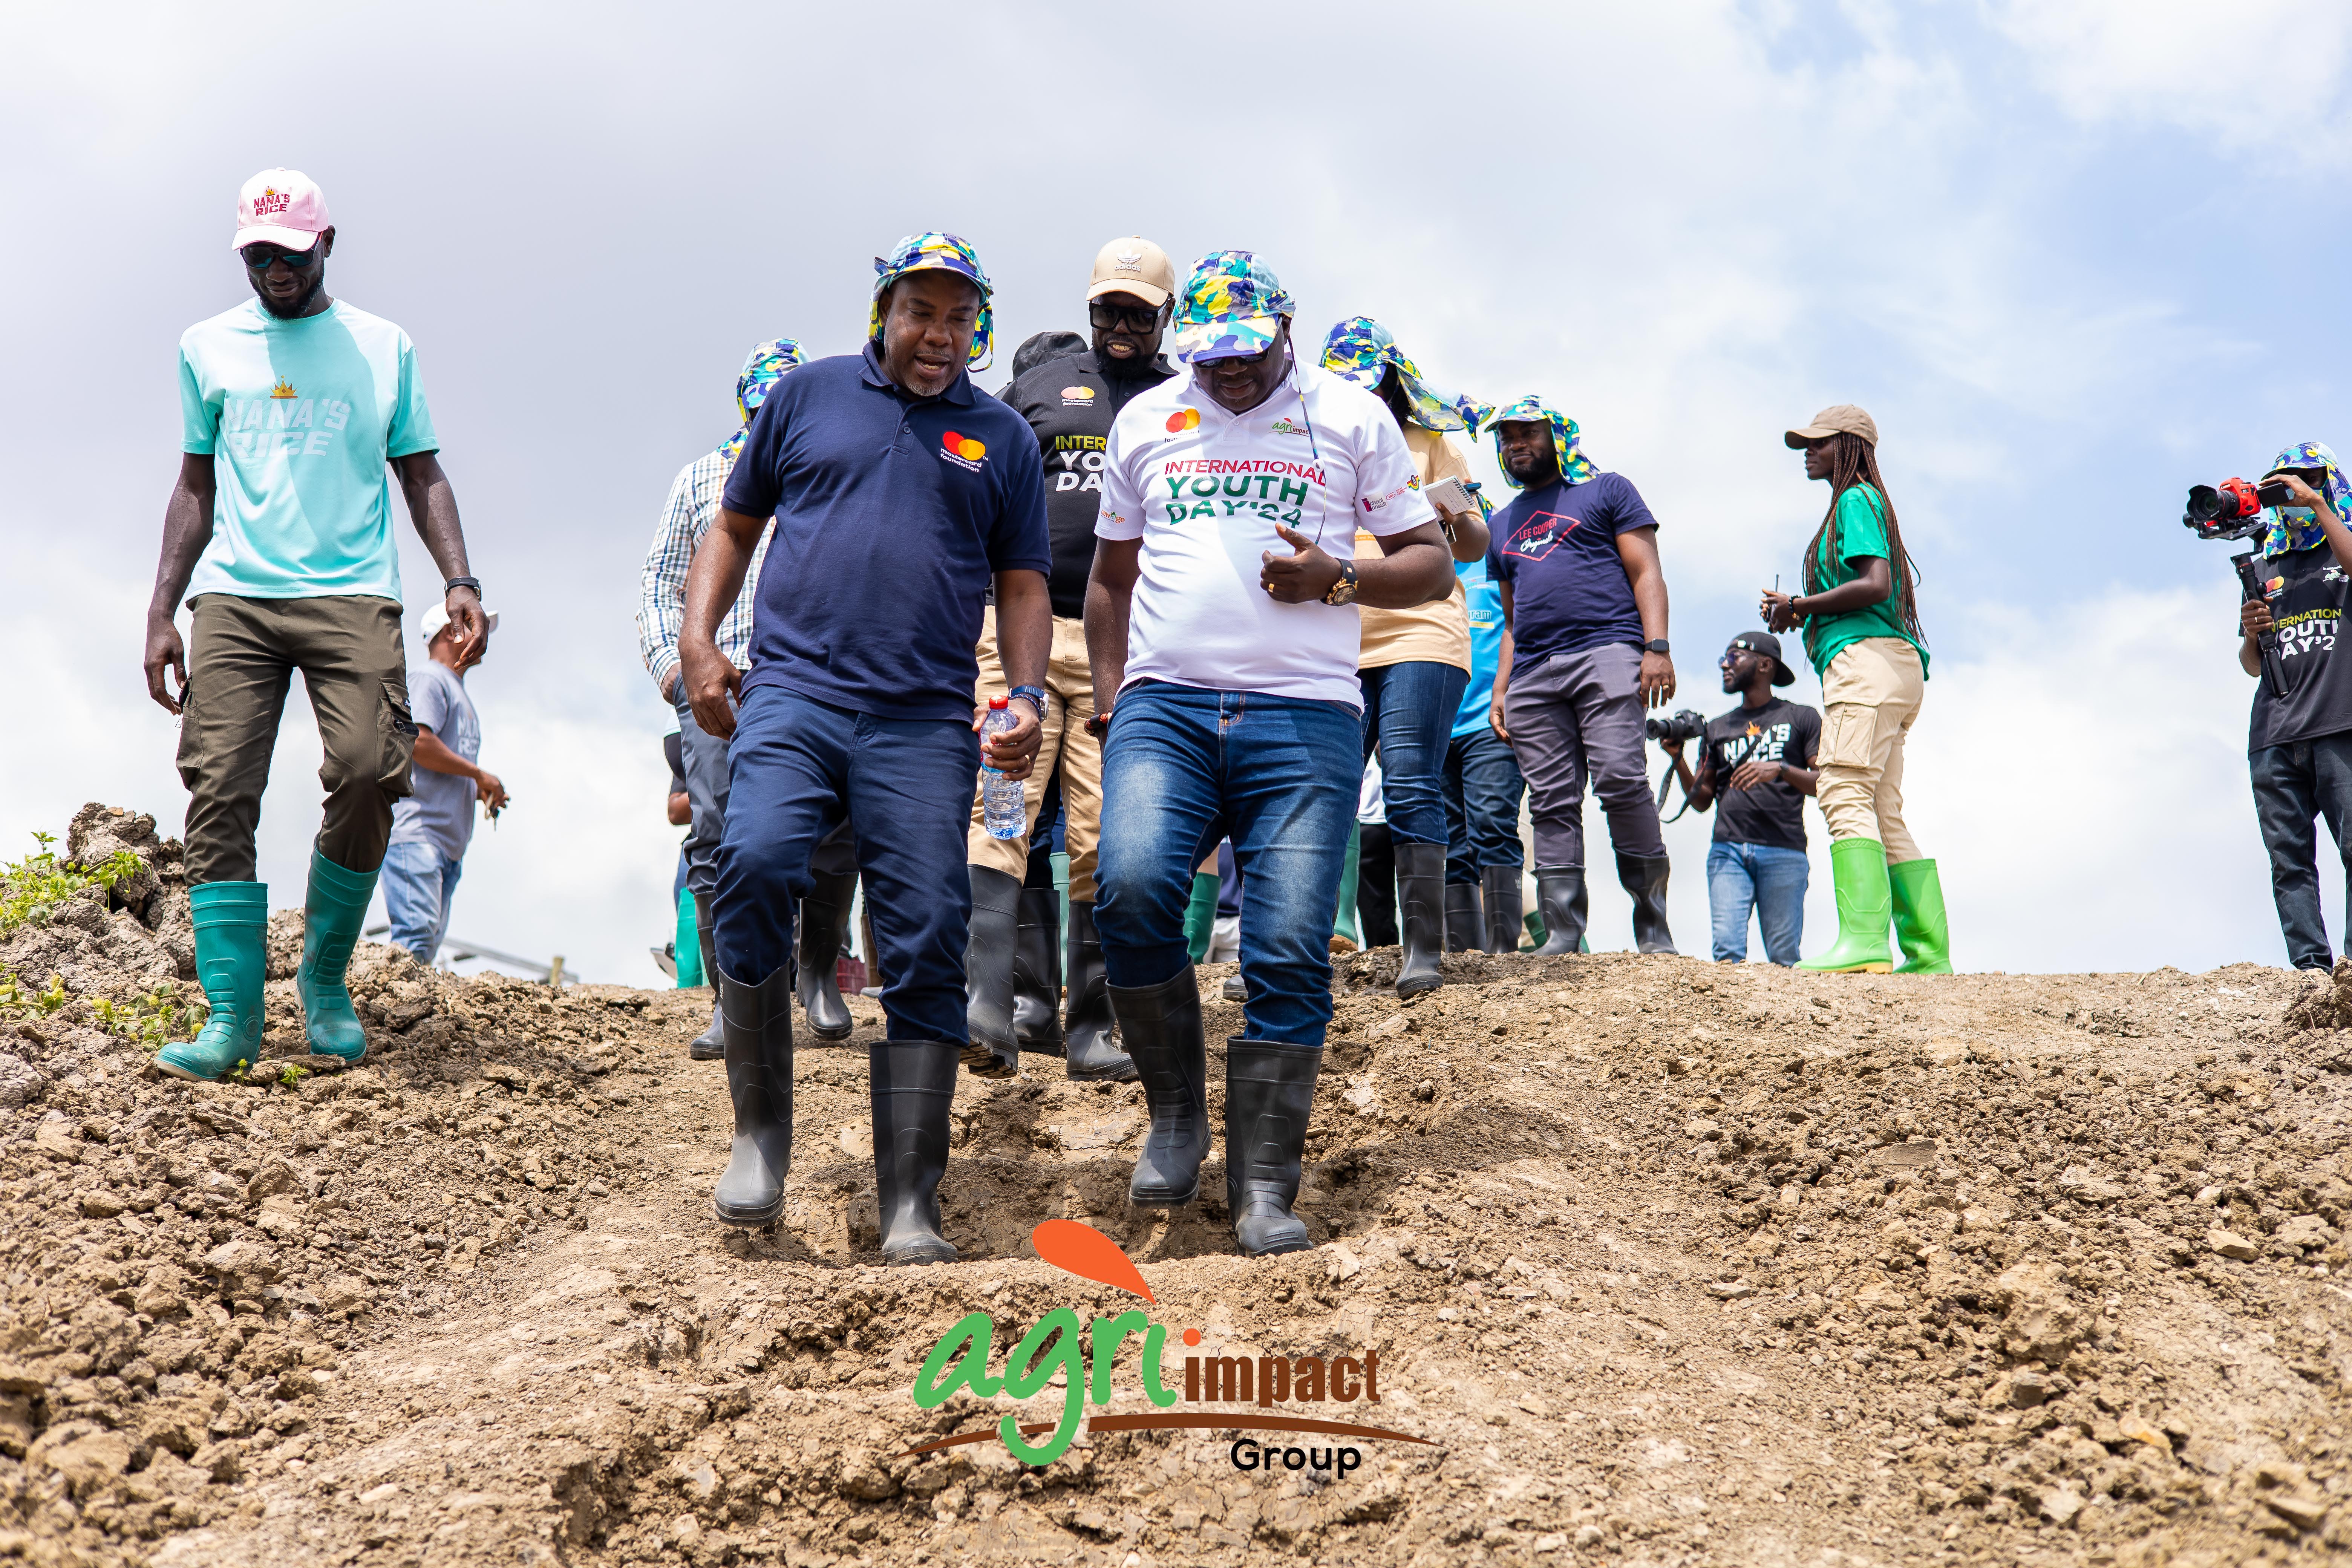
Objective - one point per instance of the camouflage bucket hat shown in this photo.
(1575, 467)
(1363, 350)
(762, 368)
(1231, 307)
(932, 250)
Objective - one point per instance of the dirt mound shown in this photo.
(1662, 1261)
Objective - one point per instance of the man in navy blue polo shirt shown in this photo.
(900, 494)
(1584, 651)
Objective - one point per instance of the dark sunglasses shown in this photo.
(1134, 317)
(260, 256)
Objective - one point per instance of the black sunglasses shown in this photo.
(260, 256)
(1134, 317)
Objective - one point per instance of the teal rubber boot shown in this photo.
(1858, 869)
(231, 963)
(1201, 915)
(1919, 924)
(331, 916)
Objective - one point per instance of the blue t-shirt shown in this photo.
(1557, 547)
(892, 515)
(1485, 597)
(440, 809)
(300, 417)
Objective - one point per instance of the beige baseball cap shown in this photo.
(1133, 265)
(1845, 420)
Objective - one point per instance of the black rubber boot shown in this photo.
(992, 1051)
(1421, 915)
(914, 1083)
(1499, 893)
(825, 930)
(1462, 931)
(1559, 894)
(1086, 1028)
(711, 1046)
(1269, 1093)
(1645, 876)
(1036, 976)
(758, 1023)
(1161, 1027)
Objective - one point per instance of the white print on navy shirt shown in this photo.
(282, 423)
(1759, 744)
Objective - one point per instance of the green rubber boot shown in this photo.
(689, 945)
(331, 916)
(231, 963)
(1859, 868)
(1201, 915)
(1919, 925)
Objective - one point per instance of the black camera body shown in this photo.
(1686, 725)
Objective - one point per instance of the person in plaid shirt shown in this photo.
(693, 502)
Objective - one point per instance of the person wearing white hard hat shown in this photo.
(432, 827)
(278, 539)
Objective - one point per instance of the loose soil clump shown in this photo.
(1668, 1262)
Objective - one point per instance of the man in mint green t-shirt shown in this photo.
(278, 537)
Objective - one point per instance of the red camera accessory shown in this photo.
(2243, 492)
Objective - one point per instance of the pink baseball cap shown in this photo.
(280, 206)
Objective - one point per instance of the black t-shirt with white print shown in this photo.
(2306, 608)
(1070, 402)
(1772, 814)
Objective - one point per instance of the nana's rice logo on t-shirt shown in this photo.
(962, 451)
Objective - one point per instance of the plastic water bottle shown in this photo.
(1000, 797)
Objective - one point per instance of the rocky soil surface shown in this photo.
(1670, 1263)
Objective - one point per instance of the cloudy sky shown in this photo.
(2072, 256)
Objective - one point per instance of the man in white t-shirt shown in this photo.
(1223, 633)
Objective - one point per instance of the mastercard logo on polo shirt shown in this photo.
(1183, 420)
(962, 450)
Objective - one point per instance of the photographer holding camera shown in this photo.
(1756, 761)
(2299, 750)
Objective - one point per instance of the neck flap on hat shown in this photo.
(2297, 527)
(1361, 350)
(935, 251)
(1575, 467)
(762, 370)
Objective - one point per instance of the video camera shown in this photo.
(2233, 509)
(1686, 725)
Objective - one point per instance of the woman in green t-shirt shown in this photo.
(1860, 618)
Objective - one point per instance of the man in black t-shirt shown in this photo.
(1757, 769)
(2299, 748)
(1070, 403)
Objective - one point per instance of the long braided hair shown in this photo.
(1852, 462)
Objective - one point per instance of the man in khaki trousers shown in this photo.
(1070, 402)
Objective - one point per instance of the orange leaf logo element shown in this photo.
(1083, 1250)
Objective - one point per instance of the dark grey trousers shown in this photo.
(1576, 716)
(2294, 784)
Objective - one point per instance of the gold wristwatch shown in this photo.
(1343, 592)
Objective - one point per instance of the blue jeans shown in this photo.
(1482, 790)
(1408, 713)
(797, 769)
(1764, 878)
(1182, 768)
(417, 881)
